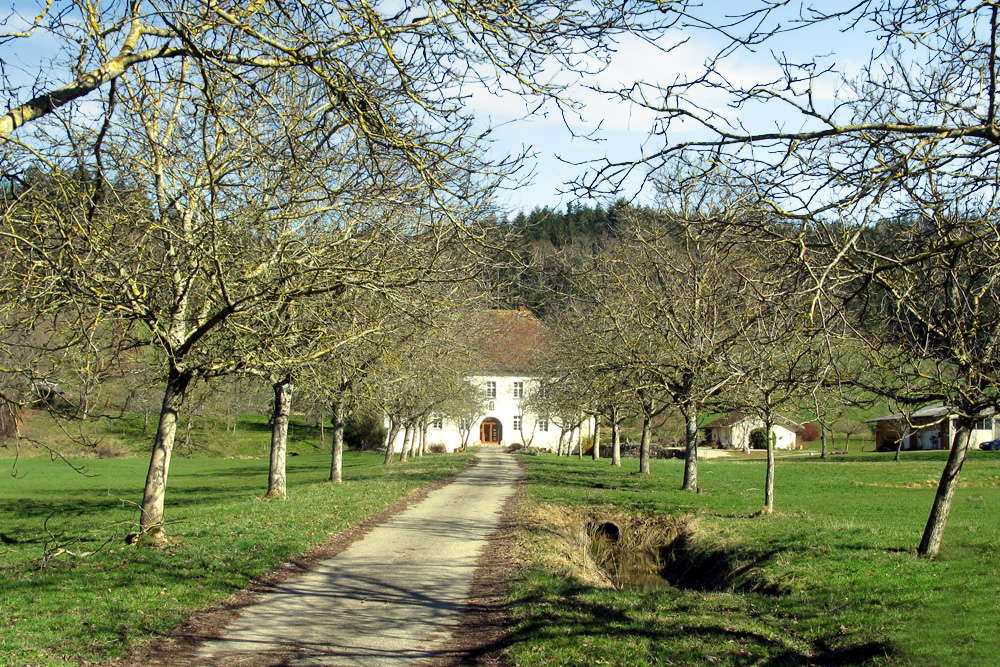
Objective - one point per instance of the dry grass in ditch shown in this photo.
(576, 544)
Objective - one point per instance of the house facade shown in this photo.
(506, 418)
(511, 346)
(930, 427)
(735, 430)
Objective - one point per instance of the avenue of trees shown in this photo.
(886, 177)
(295, 194)
(210, 182)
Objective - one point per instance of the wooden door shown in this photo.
(489, 432)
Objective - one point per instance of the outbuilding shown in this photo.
(739, 430)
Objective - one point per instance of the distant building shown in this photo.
(736, 430)
(512, 346)
(930, 427)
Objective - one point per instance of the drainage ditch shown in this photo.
(641, 554)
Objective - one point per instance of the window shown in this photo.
(517, 422)
(543, 425)
(464, 424)
(518, 390)
(984, 424)
(490, 406)
(491, 389)
(437, 422)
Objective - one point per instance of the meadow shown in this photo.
(831, 578)
(74, 593)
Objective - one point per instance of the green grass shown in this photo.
(59, 608)
(840, 550)
(127, 435)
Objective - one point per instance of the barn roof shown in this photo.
(933, 411)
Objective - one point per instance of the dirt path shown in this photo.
(391, 598)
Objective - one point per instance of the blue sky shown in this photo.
(623, 132)
(618, 131)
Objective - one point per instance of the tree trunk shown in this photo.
(822, 424)
(390, 439)
(769, 475)
(276, 483)
(647, 419)
(690, 413)
(903, 437)
(579, 441)
(644, 446)
(407, 434)
(616, 440)
(559, 445)
(337, 459)
(930, 544)
(151, 519)
(597, 438)
(423, 438)
(322, 431)
(188, 423)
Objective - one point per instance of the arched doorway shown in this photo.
(490, 431)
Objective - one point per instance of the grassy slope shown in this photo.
(113, 437)
(74, 609)
(841, 546)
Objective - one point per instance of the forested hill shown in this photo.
(547, 247)
(578, 223)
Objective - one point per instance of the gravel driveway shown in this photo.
(391, 598)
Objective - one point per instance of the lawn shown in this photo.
(830, 579)
(73, 593)
(127, 435)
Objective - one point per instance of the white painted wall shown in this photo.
(738, 435)
(503, 407)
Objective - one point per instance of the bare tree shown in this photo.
(891, 181)
(778, 363)
(850, 428)
(425, 372)
(227, 228)
(271, 153)
(685, 299)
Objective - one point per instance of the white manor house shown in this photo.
(512, 349)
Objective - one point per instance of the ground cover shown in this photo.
(830, 579)
(129, 434)
(74, 593)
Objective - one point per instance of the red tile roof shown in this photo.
(734, 418)
(510, 340)
(728, 420)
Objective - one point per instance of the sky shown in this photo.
(620, 132)
(564, 148)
